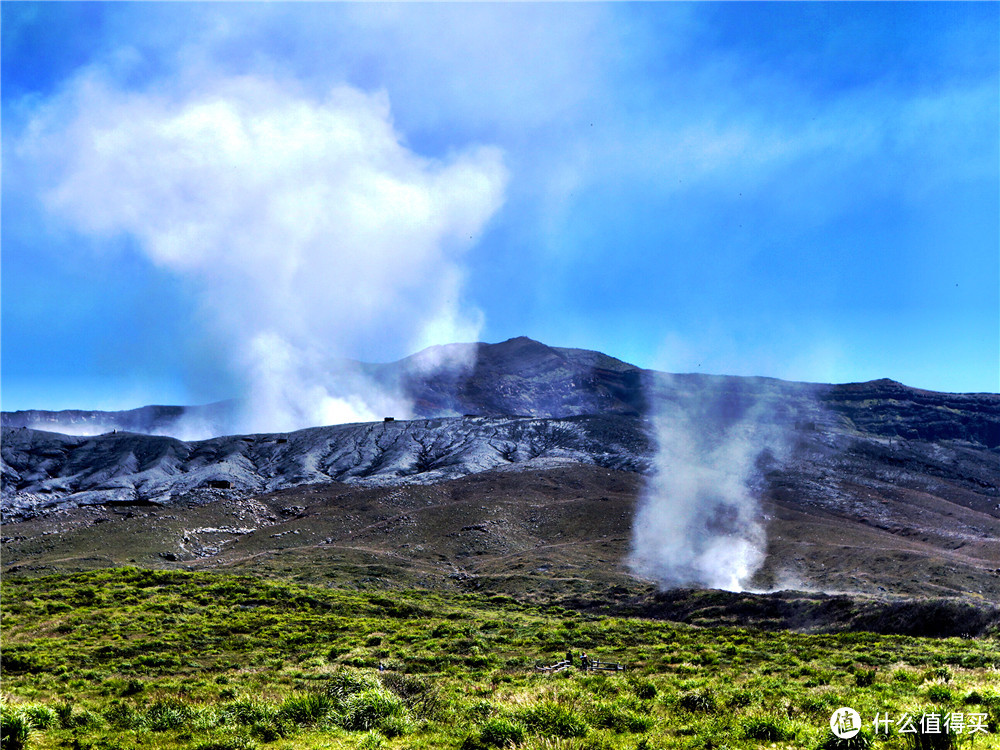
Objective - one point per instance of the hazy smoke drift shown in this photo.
(699, 519)
(308, 228)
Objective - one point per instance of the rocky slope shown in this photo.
(45, 472)
(882, 488)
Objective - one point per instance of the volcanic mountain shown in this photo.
(521, 475)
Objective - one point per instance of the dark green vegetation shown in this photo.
(128, 658)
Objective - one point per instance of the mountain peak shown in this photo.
(518, 344)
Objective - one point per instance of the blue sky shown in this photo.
(194, 194)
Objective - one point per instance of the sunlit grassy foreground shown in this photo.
(128, 658)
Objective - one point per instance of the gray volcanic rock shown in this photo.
(885, 407)
(518, 377)
(45, 472)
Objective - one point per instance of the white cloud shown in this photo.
(309, 228)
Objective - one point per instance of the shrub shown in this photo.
(15, 661)
(815, 704)
(619, 719)
(861, 741)
(15, 732)
(820, 677)
(767, 729)
(395, 726)
(307, 709)
(41, 717)
(990, 700)
(977, 661)
(864, 677)
(498, 731)
(370, 709)
(553, 719)
(246, 712)
(935, 741)
(644, 690)
(940, 694)
(269, 731)
(65, 711)
(347, 682)
(698, 701)
(235, 742)
(72, 719)
(938, 673)
(121, 715)
(420, 696)
(168, 714)
(132, 687)
(744, 698)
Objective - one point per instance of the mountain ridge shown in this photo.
(524, 377)
(877, 487)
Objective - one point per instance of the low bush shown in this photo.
(744, 698)
(861, 741)
(698, 701)
(617, 718)
(121, 715)
(553, 720)
(41, 717)
(931, 741)
(309, 709)
(498, 731)
(132, 687)
(347, 682)
(246, 712)
(269, 731)
(236, 742)
(942, 674)
(370, 709)
(396, 725)
(168, 714)
(15, 729)
(767, 729)
(644, 690)
(940, 694)
(73, 717)
(865, 677)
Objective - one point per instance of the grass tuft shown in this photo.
(553, 720)
(767, 729)
(15, 729)
(371, 709)
(498, 731)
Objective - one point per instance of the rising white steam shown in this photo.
(308, 227)
(699, 521)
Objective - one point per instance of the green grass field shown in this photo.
(127, 658)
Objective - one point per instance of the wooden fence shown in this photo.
(588, 666)
(559, 666)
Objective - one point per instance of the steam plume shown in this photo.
(699, 519)
(309, 229)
